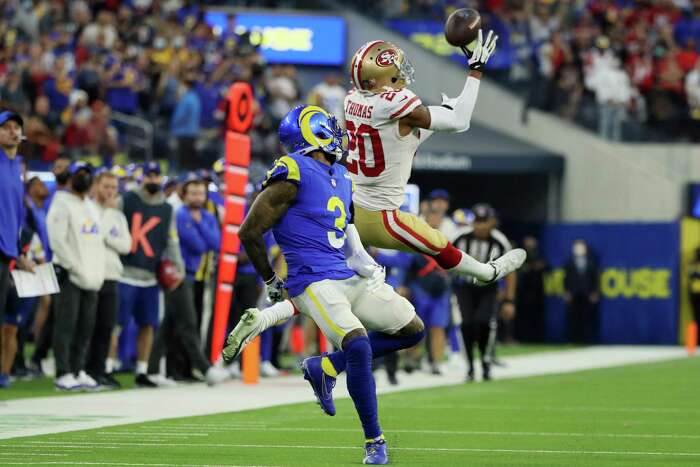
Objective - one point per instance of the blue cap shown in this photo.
(151, 167)
(79, 165)
(439, 194)
(189, 177)
(8, 115)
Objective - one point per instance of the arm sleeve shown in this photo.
(456, 118)
(118, 237)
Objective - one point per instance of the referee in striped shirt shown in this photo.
(479, 305)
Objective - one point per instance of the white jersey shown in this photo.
(380, 158)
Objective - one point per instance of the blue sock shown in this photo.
(266, 345)
(454, 339)
(361, 384)
(382, 344)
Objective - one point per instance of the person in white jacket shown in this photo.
(117, 242)
(77, 241)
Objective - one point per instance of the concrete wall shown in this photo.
(602, 181)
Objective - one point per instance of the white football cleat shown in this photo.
(245, 331)
(216, 375)
(268, 370)
(504, 265)
(234, 370)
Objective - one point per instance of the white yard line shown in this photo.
(98, 410)
(421, 449)
(187, 432)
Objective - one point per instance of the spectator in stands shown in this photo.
(283, 91)
(154, 237)
(692, 90)
(581, 285)
(117, 242)
(77, 242)
(613, 93)
(11, 200)
(12, 92)
(330, 95)
(185, 124)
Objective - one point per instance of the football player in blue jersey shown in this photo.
(307, 202)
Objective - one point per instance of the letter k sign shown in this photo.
(139, 232)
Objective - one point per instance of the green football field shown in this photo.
(637, 415)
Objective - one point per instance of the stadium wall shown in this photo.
(602, 181)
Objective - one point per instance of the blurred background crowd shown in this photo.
(626, 68)
(118, 83)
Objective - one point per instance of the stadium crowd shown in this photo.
(626, 68)
(76, 74)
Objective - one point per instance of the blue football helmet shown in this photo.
(309, 128)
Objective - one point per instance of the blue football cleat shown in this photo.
(321, 383)
(375, 453)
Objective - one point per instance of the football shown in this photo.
(462, 27)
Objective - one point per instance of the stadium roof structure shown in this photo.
(484, 150)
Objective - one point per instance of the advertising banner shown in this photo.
(638, 264)
(295, 39)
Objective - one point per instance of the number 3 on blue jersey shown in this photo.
(334, 205)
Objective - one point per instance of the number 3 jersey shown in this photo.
(380, 159)
(311, 234)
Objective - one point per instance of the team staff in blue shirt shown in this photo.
(11, 206)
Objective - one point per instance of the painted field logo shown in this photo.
(386, 58)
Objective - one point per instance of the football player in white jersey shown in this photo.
(386, 122)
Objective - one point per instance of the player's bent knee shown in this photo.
(352, 335)
(414, 327)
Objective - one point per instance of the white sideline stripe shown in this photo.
(23, 453)
(292, 446)
(120, 463)
(421, 432)
(146, 433)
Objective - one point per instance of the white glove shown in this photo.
(275, 289)
(483, 49)
(376, 280)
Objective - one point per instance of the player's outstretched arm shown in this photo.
(455, 114)
(268, 208)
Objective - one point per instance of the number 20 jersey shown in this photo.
(311, 234)
(380, 159)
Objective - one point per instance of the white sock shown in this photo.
(141, 367)
(109, 365)
(272, 315)
(470, 267)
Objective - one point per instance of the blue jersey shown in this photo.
(311, 234)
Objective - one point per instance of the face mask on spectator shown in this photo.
(81, 182)
(62, 178)
(152, 188)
